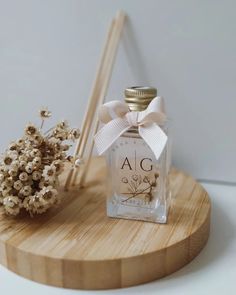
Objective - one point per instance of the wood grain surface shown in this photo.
(77, 246)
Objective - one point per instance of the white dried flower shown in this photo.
(31, 130)
(61, 130)
(35, 153)
(12, 205)
(35, 204)
(36, 175)
(37, 161)
(18, 185)
(13, 155)
(26, 190)
(74, 134)
(22, 165)
(63, 125)
(20, 142)
(15, 164)
(49, 173)
(37, 140)
(54, 141)
(27, 151)
(9, 201)
(7, 160)
(5, 189)
(12, 172)
(13, 146)
(23, 158)
(59, 165)
(29, 167)
(9, 181)
(45, 113)
(49, 194)
(60, 134)
(23, 176)
(3, 170)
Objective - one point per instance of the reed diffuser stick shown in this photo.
(98, 92)
(105, 78)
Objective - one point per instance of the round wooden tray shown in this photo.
(78, 246)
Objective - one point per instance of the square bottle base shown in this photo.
(119, 210)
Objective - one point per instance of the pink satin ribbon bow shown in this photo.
(118, 118)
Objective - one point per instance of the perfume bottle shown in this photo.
(139, 186)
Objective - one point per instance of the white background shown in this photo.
(49, 50)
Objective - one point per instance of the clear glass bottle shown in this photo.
(138, 182)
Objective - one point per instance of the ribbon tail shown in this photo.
(155, 137)
(109, 133)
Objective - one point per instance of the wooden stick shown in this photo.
(107, 69)
(104, 81)
(90, 109)
(108, 66)
(89, 115)
(93, 97)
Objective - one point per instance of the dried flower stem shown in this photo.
(136, 194)
(42, 123)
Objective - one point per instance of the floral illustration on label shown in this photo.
(139, 186)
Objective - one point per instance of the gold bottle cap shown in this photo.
(139, 97)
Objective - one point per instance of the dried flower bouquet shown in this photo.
(30, 167)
